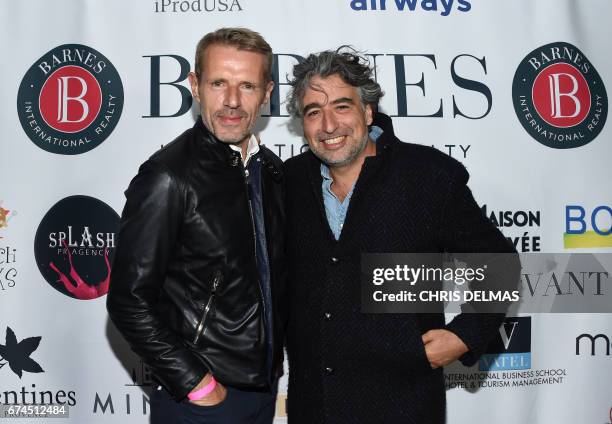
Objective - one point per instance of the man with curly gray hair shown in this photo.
(340, 68)
(361, 190)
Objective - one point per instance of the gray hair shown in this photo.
(351, 66)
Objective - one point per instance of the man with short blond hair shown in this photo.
(197, 286)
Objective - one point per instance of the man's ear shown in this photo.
(193, 81)
(269, 88)
(369, 115)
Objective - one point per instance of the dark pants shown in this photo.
(239, 407)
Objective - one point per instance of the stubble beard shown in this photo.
(350, 157)
(233, 140)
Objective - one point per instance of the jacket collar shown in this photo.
(383, 122)
(387, 139)
(210, 148)
(252, 149)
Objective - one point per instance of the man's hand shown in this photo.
(213, 398)
(443, 347)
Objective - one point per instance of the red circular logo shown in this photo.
(561, 95)
(70, 99)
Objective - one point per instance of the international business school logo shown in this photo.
(70, 100)
(512, 349)
(507, 362)
(74, 246)
(559, 97)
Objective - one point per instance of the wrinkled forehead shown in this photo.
(218, 58)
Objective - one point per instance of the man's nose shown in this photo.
(330, 124)
(232, 97)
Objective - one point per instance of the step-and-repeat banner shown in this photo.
(514, 89)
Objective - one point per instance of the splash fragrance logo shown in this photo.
(587, 228)
(17, 354)
(512, 349)
(74, 246)
(70, 100)
(559, 97)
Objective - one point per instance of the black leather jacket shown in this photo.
(184, 288)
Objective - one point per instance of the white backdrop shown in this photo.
(465, 60)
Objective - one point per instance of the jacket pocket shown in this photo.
(202, 324)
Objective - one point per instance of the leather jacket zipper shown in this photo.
(246, 184)
(201, 328)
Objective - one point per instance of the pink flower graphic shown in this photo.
(80, 289)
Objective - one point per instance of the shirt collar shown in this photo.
(252, 149)
(325, 172)
(375, 133)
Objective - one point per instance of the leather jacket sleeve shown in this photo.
(150, 225)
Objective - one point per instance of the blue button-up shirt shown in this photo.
(334, 208)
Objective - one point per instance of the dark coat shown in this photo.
(346, 366)
(184, 290)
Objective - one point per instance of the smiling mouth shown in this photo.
(333, 141)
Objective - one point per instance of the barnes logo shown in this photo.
(70, 100)
(559, 97)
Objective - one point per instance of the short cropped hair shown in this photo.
(241, 39)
